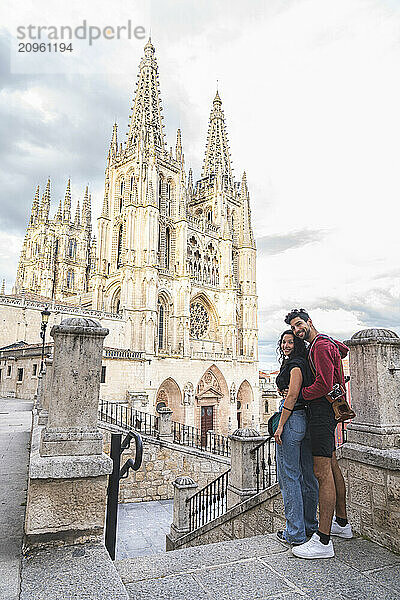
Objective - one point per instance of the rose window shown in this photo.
(199, 320)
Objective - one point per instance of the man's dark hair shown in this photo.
(300, 313)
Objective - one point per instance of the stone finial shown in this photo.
(184, 481)
(375, 376)
(246, 432)
(373, 335)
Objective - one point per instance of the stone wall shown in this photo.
(373, 499)
(162, 463)
(261, 514)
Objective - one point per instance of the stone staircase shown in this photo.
(262, 568)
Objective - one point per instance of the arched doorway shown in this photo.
(169, 395)
(212, 400)
(244, 405)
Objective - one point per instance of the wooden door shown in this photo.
(207, 422)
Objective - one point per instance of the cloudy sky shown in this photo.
(311, 93)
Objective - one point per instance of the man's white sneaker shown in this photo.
(314, 548)
(343, 532)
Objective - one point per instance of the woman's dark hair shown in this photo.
(298, 350)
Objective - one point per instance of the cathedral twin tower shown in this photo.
(174, 258)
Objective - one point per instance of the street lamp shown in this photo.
(45, 320)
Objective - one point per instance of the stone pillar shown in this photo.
(242, 478)
(68, 470)
(374, 385)
(184, 488)
(165, 421)
(370, 459)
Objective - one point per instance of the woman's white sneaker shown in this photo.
(343, 532)
(314, 548)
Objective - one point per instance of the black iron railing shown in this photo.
(265, 463)
(209, 503)
(128, 418)
(187, 435)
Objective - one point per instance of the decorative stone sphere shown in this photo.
(246, 432)
(184, 480)
(375, 333)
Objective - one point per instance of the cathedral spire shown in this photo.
(35, 208)
(190, 183)
(44, 207)
(178, 146)
(86, 209)
(246, 236)
(114, 141)
(58, 216)
(217, 149)
(77, 220)
(146, 118)
(67, 203)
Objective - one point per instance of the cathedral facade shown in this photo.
(174, 259)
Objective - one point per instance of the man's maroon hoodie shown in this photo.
(327, 360)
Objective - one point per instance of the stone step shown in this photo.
(261, 568)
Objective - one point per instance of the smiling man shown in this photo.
(325, 356)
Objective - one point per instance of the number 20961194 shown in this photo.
(44, 47)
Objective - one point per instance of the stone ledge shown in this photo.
(71, 573)
(69, 467)
(376, 457)
(64, 467)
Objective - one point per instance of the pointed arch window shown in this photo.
(209, 215)
(161, 325)
(132, 181)
(70, 279)
(71, 249)
(168, 199)
(119, 246)
(160, 191)
(167, 248)
(121, 195)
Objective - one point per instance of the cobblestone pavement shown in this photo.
(15, 425)
(142, 527)
(261, 568)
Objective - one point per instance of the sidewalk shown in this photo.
(15, 426)
(261, 568)
(142, 527)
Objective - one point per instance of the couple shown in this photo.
(305, 452)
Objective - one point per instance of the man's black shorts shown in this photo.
(322, 425)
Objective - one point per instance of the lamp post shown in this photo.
(45, 320)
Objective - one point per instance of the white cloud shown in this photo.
(310, 90)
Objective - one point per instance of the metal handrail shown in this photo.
(265, 464)
(128, 418)
(209, 503)
(186, 435)
(148, 424)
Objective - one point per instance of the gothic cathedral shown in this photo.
(174, 258)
